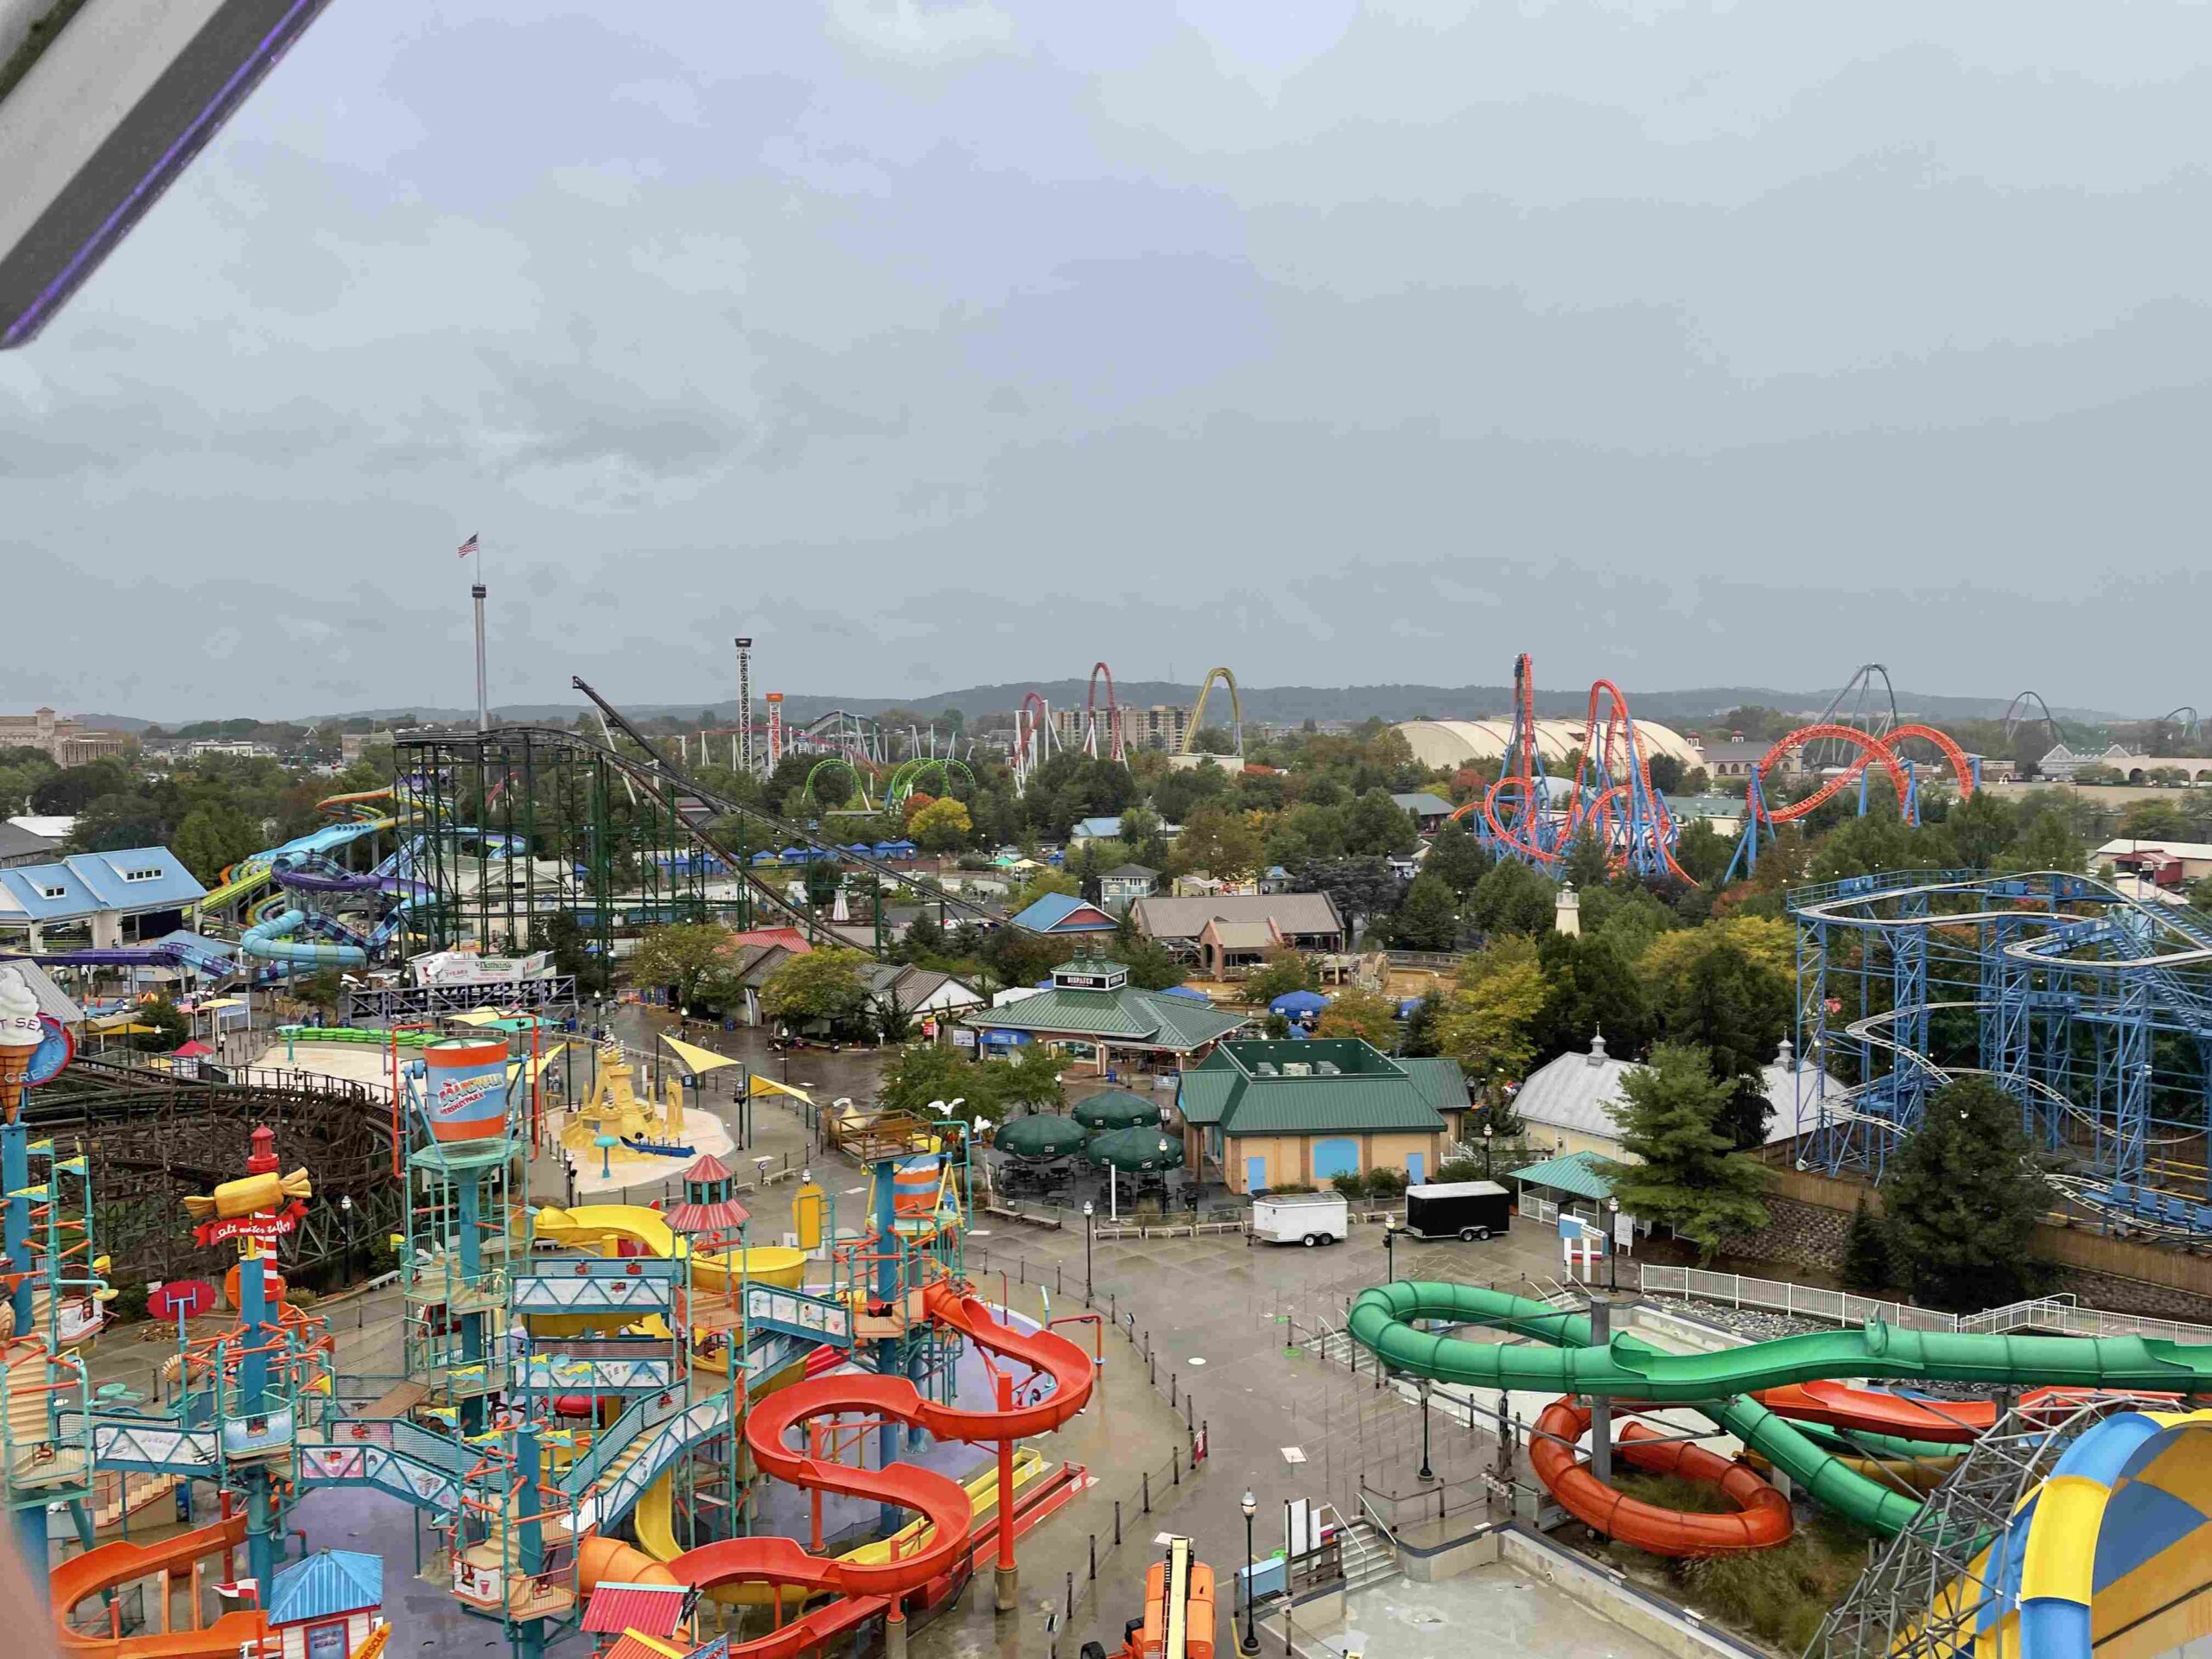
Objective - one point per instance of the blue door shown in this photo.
(1336, 1156)
(1256, 1175)
(1414, 1164)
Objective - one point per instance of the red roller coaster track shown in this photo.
(1882, 751)
(1511, 807)
(1115, 749)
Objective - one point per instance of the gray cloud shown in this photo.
(934, 343)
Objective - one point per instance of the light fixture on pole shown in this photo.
(1090, 1211)
(1487, 1132)
(1390, 1250)
(1251, 1641)
(1612, 1252)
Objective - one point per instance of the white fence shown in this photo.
(1800, 1301)
(2057, 1313)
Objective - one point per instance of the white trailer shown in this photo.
(1307, 1219)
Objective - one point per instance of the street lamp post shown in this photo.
(1251, 1641)
(1426, 1473)
(346, 1209)
(1090, 1211)
(1390, 1250)
(1612, 1252)
(1487, 1132)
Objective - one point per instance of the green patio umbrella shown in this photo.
(1117, 1108)
(1135, 1150)
(1040, 1135)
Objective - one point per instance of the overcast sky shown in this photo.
(939, 343)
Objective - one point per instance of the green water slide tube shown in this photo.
(1626, 1368)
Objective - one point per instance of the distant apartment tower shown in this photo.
(67, 743)
(1163, 726)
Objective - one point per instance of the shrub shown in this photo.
(1352, 1184)
(1460, 1169)
(1385, 1183)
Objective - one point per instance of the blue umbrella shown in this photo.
(1191, 991)
(1408, 1007)
(1299, 1002)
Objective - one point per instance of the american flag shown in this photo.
(468, 546)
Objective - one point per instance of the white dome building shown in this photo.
(1447, 745)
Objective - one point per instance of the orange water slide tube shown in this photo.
(1762, 1519)
(110, 1565)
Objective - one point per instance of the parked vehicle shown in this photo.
(1468, 1210)
(1307, 1219)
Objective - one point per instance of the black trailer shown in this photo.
(1469, 1210)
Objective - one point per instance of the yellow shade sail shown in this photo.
(699, 1059)
(476, 1017)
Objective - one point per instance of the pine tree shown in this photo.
(1866, 1257)
(1737, 1011)
(1690, 1179)
(1429, 918)
(1964, 1198)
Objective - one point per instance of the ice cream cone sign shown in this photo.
(22, 1030)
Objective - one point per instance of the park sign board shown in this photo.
(821, 1319)
(263, 1227)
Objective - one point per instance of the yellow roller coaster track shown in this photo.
(1198, 710)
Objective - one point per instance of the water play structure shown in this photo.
(600, 1394)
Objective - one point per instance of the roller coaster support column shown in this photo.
(890, 1293)
(468, 1195)
(1007, 1581)
(29, 1523)
(528, 1635)
(15, 1178)
(263, 1536)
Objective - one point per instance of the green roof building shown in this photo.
(1091, 1001)
(1268, 1114)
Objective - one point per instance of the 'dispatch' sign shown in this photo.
(264, 1228)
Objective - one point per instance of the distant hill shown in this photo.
(1275, 704)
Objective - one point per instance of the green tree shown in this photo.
(568, 949)
(1485, 1023)
(2048, 841)
(1982, 827)
(1585, 864)
(171, 1030)
(1703, 851)
(211, 838)
(1368, 1015)
(1152, 966)
(1513, 899)
(923, 1078)
(1375, 825)
(1456, 857)
(823, 984)
(1420, 1042)
(1429, 918)
(1964, 1198)
(1590, 987)
(1032, 1079)
(1737, 1011)
(1867, 1264)
(1223, 844)
(678, 956)
(1672, 1117)
(1283, 972)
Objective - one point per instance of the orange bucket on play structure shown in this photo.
(915, 1186)
(467, 1094)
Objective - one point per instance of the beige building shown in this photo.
(1269, 1115)
(67, 743)
(1164, 726)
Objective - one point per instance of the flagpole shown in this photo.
(476, 592)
